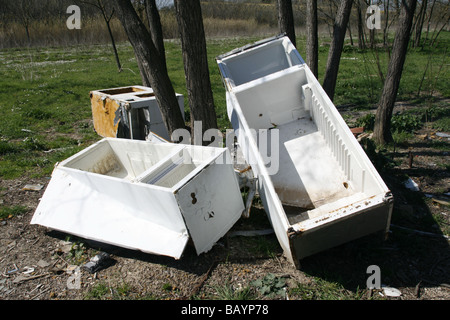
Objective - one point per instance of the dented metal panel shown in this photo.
(319, 188)
(137, 195)
(129, 112)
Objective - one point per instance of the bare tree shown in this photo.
(24, 11)
(193, 43)
(286, 19)
(361, 35)
(337, 43)
(312, 42)
(382, 130)
(107, 10)
(151, 65)
(386, 23)
(419, 22)
(155, 27)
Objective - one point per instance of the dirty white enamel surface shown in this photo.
(323, 190)
(134, 98)
(127, 193)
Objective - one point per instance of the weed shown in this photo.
(38, 114)
(405, 122)
(367, 121)
(10, 212)
(401, 138)
(77, 254)
(122, 291)
(266, 246)
(324, 290)
(167, 286)
(228, 292)
(6, 147)
(378, 157)
(97, 292)
(270, 286)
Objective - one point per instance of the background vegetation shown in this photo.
(47, 72)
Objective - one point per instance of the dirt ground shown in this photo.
(39, 264)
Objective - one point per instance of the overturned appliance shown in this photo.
(318, 186)
(151, 197)
(129, 112)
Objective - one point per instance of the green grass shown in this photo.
(10, 212)
(325, 290)
(44, 92)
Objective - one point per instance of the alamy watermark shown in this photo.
(374, 280)
(74, 20)
(373, 21)
(74, 279)
(266, 141)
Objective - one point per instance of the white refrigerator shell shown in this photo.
(321, 190)
(145, 196)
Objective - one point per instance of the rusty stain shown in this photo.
(245, 170)
(104, 113)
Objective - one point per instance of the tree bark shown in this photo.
(154, 23)
(361, 36)
(198, 83)
(111, 36)
(312, 42)
(151, 65)
(382, 129)
(286, 19)
(420, 21)
(337, 43)
(386, 23)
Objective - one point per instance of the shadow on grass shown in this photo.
(406, 259)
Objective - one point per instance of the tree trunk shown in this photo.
(113, 42)
(312, 42)
(382, 130)
(386, 23)
(155, 27)
(111, 36)
(286, 19)
(193, 43)
(151, 65)
(337, 43)
(361, 36)
(420, 21)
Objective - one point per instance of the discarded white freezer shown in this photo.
(129, 112)
(317, 184)
(146, 196)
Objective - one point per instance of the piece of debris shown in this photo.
(411, 185)
(440, 201)
(423, 136)
(21, 278)
(390, 292)
(410, 159)
(28, 270)
(13, 270)
(71, 268)
(43, 264)
(357, 131)
(99, 262)
(33, 187)
(443, 135)
(364, 135)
